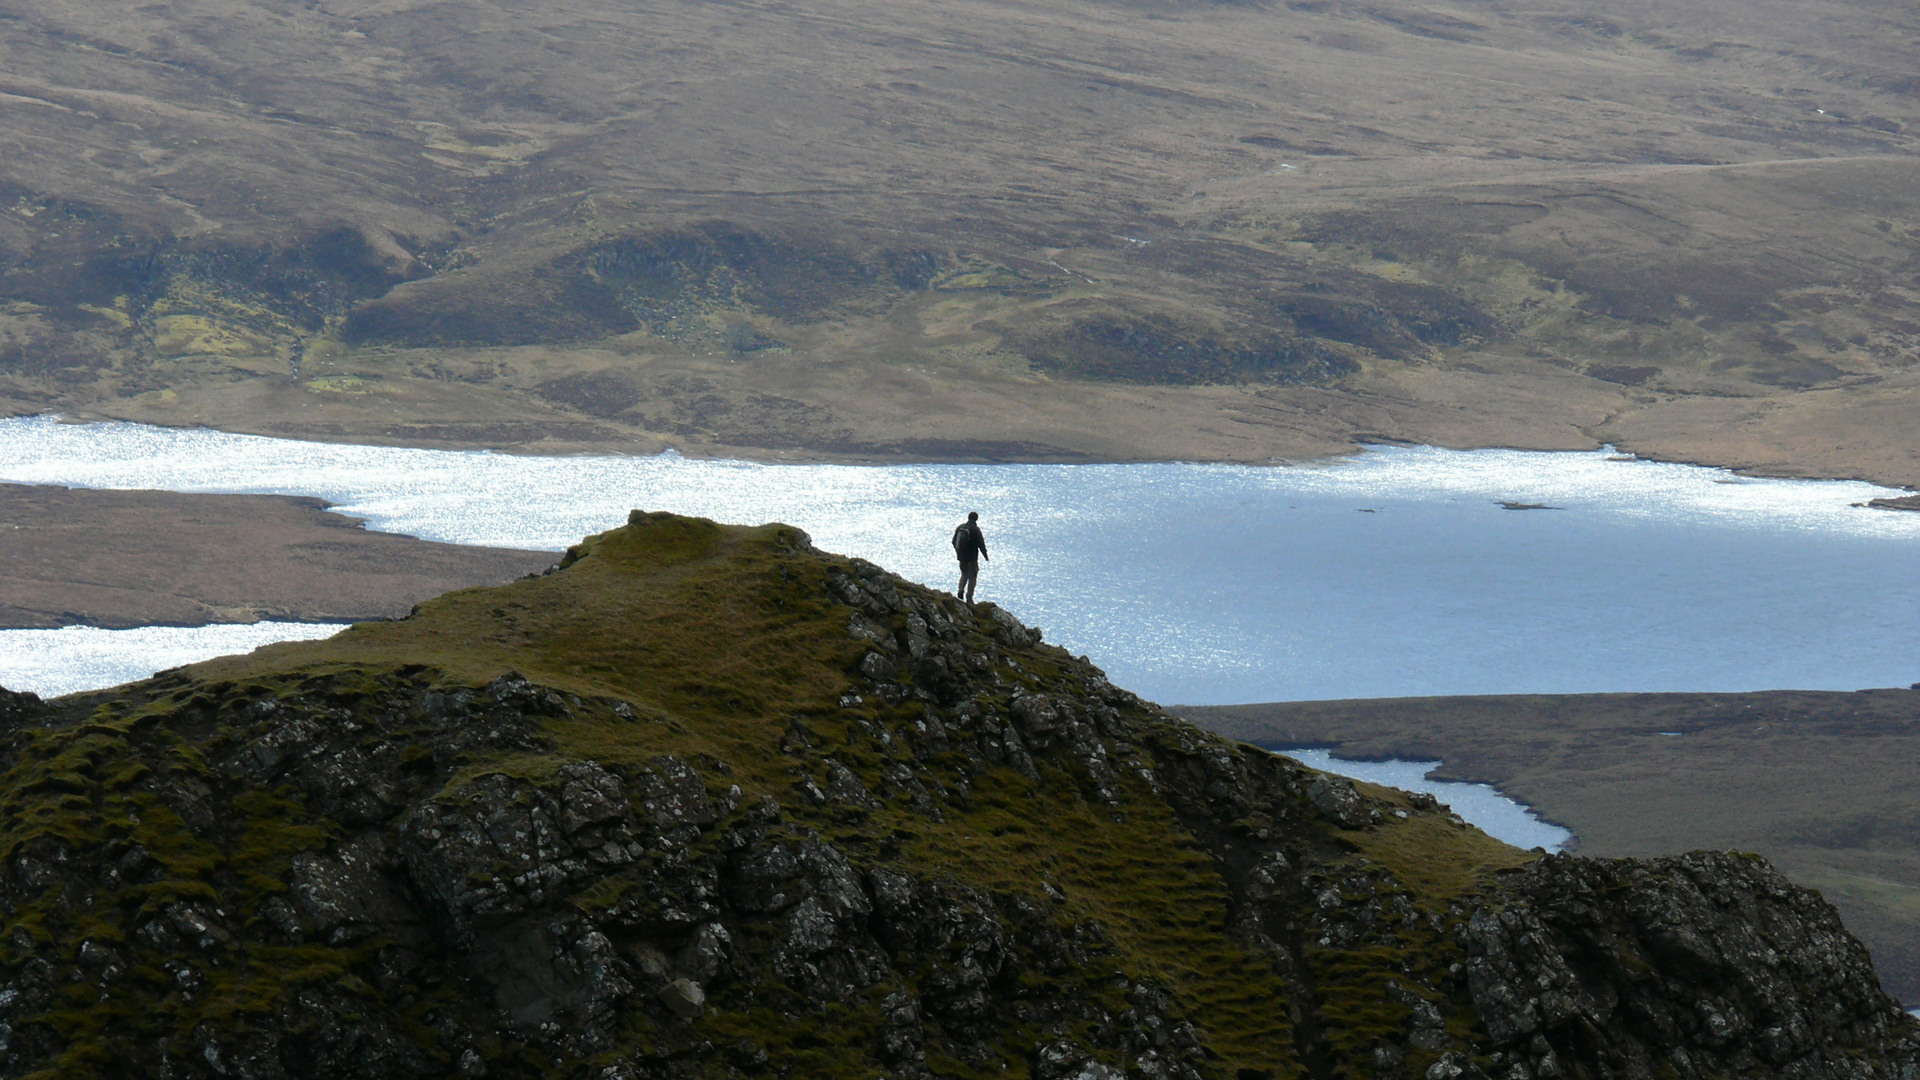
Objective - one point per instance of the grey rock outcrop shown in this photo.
(511, 880)
(1336, 798)
(1699, 965)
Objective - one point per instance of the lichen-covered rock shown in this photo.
(352, 893)
(674, 799)
(496, 850)
(1010, 628)
(1335, 797)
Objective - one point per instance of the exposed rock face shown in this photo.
(1701, 965)
(965, 854)
(19, 708)
(1335, 797)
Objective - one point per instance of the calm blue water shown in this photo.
(1478, 804)
(1392, 573)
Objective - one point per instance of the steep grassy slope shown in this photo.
(706, 801)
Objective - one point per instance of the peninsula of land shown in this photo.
(72, 556)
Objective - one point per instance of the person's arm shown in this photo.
(982, 538)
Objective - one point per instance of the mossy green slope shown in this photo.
(706, 801)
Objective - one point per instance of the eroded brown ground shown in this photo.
(134, 558)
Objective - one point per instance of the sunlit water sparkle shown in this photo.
(1390, 573)
(75, 658)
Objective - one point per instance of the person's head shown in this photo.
(973, 515)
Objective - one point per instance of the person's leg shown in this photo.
(969, 575)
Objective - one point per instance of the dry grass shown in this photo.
(1546, 227)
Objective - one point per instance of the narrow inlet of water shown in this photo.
(1395, 572)
(1480, 805)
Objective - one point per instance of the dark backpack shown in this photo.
(963, 544)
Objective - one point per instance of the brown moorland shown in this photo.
(976, 230)
(139, 558)
(1820, 783)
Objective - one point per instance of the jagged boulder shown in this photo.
(1707, 964)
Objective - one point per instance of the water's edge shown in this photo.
(75, 659)
(1480, 805)
(1209, 583)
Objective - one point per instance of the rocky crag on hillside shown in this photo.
(709, 802)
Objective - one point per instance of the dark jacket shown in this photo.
(968, 542)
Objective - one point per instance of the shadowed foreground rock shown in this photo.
(1706, 964)
(708, 802)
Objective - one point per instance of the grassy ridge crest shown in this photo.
(705, 801)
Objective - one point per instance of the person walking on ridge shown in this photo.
(971, 546)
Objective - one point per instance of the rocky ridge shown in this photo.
(746, 808)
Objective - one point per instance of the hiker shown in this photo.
(971, 547)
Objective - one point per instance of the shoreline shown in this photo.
(114, 557)
(761, 456)
(120, 559)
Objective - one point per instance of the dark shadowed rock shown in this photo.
(1708, 964)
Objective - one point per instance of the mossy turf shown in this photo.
(676, 636)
